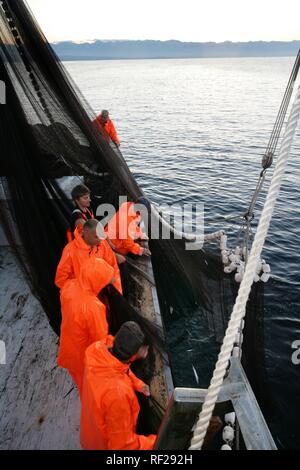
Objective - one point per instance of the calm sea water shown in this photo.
(194, 131)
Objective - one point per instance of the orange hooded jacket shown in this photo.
(76, 252)
(109, 127)
(83, 315)
(109, 407)
(122, 229)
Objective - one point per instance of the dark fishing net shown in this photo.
(46, 134)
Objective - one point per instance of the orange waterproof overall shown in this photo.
(109, 407)
(83, 315)
(76, 252)
(122, 230)
(109, 128)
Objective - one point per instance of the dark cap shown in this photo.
(128, 341)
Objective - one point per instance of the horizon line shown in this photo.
(91, 41)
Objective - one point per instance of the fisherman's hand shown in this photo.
(144, 237)
(145, 252)
(120, 258)
(145, 390)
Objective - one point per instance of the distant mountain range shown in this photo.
(100, 49)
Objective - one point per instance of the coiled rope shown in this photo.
(240, 305)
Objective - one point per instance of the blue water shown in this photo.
(194, 130)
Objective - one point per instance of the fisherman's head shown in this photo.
(130, 343)
(104, 115)
(81, 196)
(93, 232)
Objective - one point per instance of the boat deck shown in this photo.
(33, 411)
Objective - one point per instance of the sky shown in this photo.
(184, 20)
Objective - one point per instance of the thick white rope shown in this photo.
(240, 305)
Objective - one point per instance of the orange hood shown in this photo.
(100, 361)
(79, 241)
(95, 274)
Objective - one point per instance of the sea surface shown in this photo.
(194, 131)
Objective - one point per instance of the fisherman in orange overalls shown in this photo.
(123, 229)
(90, 242)
(109, 406)
(103, 121)
(83, 315)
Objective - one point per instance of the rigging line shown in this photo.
(288, 92)
(291, 81)
(273, 141)
(261, 180)
(278, 125)
(286, 99)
